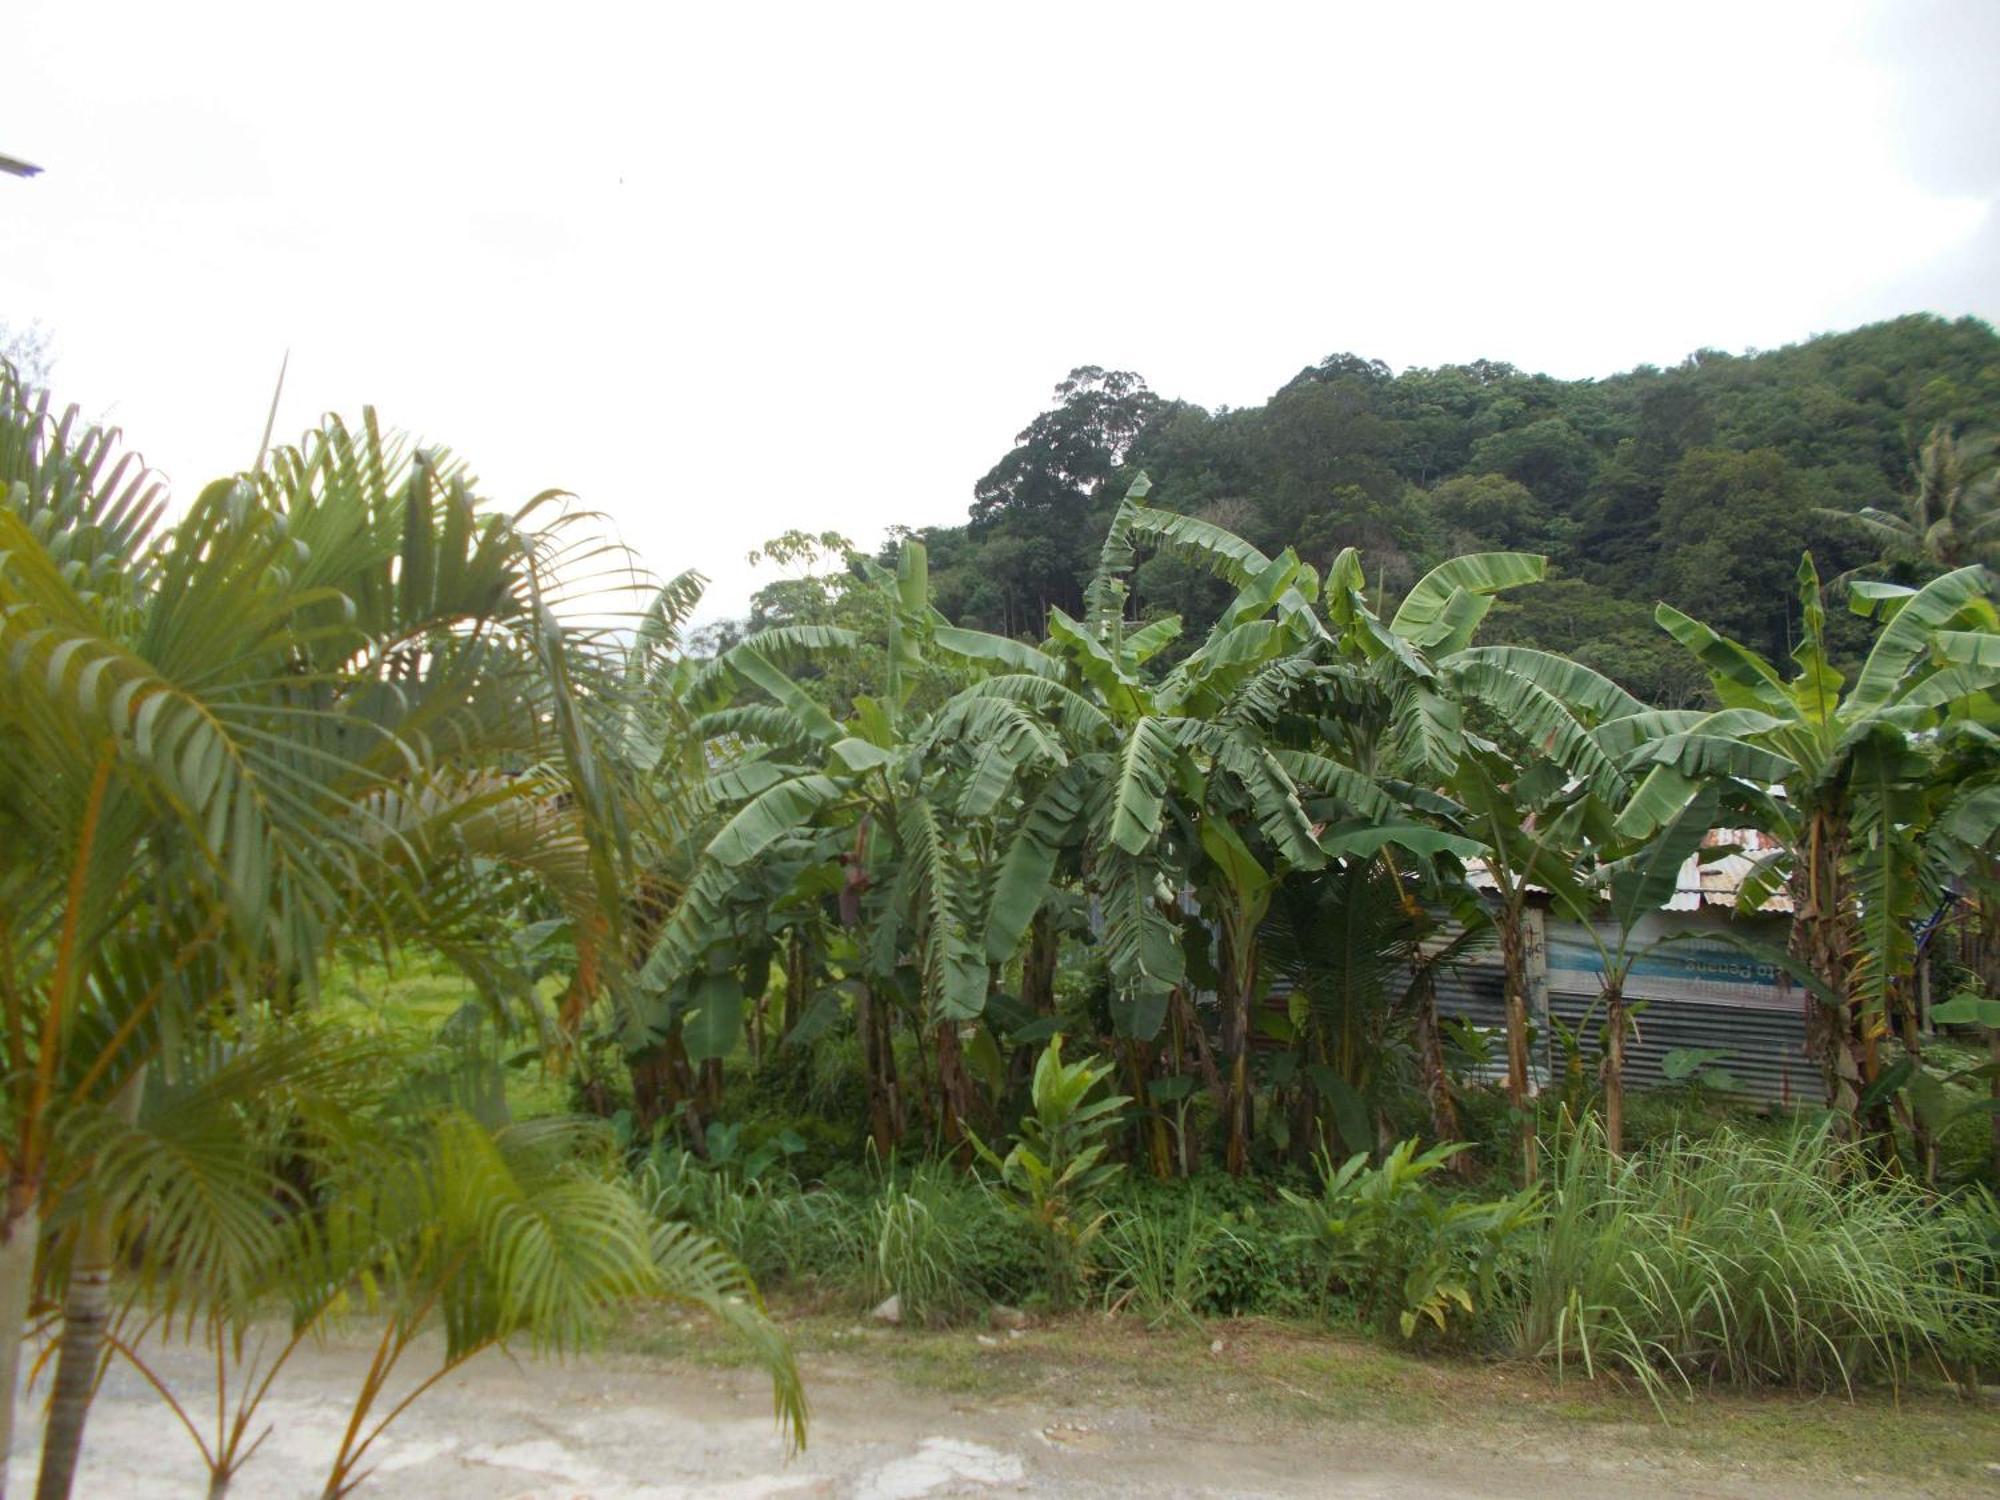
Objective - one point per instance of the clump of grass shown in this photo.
(1160, 1264)
(924, 1244)
(781, 1231)
(1753, 1260)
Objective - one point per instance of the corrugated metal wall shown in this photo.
(1766, 1048)
(1757, 1021)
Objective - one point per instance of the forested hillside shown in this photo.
(1698, 485)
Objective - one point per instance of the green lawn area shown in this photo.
(429, 1006)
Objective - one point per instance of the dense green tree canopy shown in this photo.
(1699, 483)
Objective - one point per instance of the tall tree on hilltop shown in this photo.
(1051, 486)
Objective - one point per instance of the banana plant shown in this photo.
(1627, 884)
(897, 794)
(1174, 777)
(1499, 745)
(1852, 766)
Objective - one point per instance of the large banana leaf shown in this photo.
(1139, 786)
(1075, 714)
(1528, 714)
(1274, 800)
(955, 974)
(1958, 600)
(1199, 542)
(1120, 692)
(1360, 793)
(1645, 880)
(1578, 688)
(1141, 945)
(770, 815)
(1049, 823)
(1447, 604)
(1426, 731)
(1741, 678)
(999, 650)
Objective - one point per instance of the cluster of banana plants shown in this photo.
(1294, 795)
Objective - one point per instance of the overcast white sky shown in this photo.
(727, 269)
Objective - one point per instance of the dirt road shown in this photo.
(626, 1428)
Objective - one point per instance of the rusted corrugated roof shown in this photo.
(1715, 882)
(1712, 883)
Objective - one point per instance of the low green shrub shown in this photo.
(1403, 1250)
(1055, 1175)
(1754, 1259)
(1251, 1265)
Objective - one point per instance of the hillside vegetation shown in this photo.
(1698, 485)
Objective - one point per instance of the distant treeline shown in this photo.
(1698, 485)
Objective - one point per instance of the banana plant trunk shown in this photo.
(1151, 1123)
(1189, 1038)
(955, 1093)
(1614, 1066)
(1514, 970)
(1823, 939)
(665, 1089)
(1239, 983)
(878, 1064)
(1435, 1076)
(1921, 1139)
(1985, 957)
(1038, 967)
(1993, 1050)
(19, 1235)
(798, 981)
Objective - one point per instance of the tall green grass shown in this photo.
(929, 1233)
(1754, 1260)
(1162, 1263)
(782, 1232)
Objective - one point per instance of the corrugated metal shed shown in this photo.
(1713, 881)
(1696, 991)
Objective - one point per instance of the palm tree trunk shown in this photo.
(86, 1315)
(19, 1235)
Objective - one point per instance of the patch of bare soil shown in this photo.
(628, 1427)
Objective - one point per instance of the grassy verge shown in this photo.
(1276, 1382)
(430, 1007)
